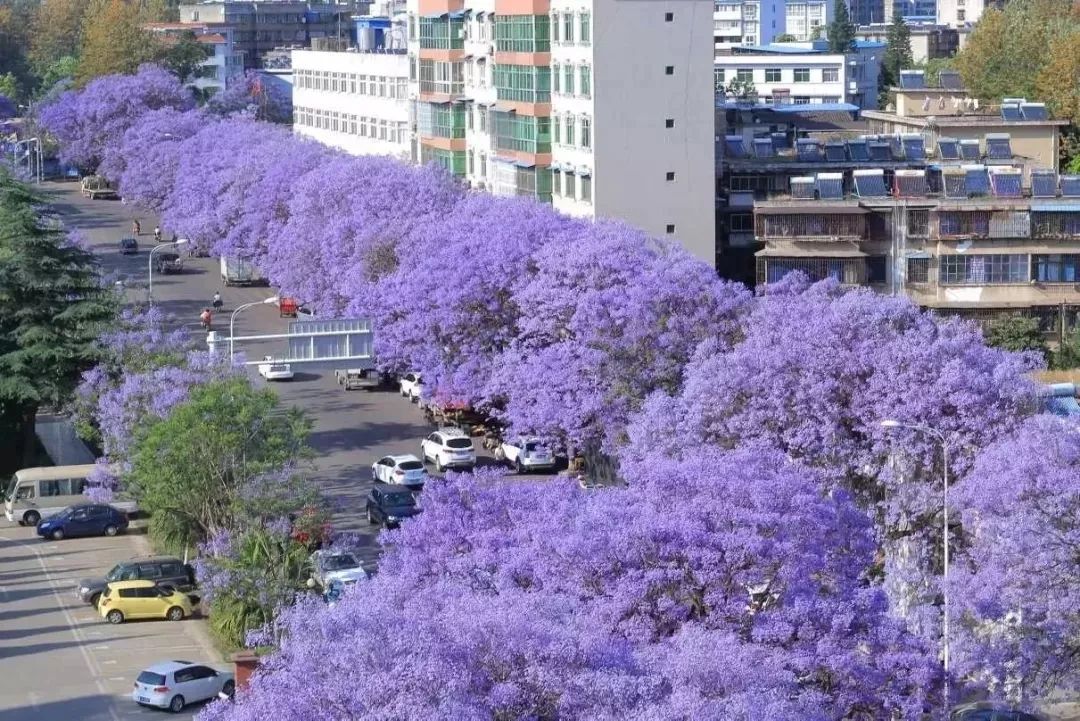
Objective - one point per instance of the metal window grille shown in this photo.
(918, 270)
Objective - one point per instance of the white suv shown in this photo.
(449, 448)
(526, 454)
(411, 386)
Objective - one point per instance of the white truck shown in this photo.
(236, 271)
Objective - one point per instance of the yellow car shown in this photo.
(123, 600)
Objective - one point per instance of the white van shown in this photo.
(36, 493)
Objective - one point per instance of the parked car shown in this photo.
(356, 378)
(131, 600)
(411, 385)
(526, 454)
(162, 570)
(449, 448)
(272, 371)
(168, 262)
(342, 566)
(84, 519)
(128, 246)
(405, 470)
(390, 505)
(989, 711)
(175, 684)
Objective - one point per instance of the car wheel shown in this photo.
(94, 599)
(176, 704)
(370, 518)
(31, 518)
(58, 534)
(175, 614)
(438, 465)
(519, 466)
(229, 689)
(114, 617)
(111, 530)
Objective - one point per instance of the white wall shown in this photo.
(633, 150)
(393, 110)
(747, 22)
(817, 89)
(960, 12)
(804, 16)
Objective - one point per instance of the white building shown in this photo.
(747, 22)
(960, 13)
(808, 19)
(355, 100)
(805, 73)
(224, 62)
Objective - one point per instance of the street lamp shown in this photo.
(150, 284)
(890, 424)
(232, 320)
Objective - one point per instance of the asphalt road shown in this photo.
(59, 660)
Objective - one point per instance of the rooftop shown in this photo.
(813, 47)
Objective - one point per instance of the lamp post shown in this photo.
(232, 320)
(150, 284)
(891, 424)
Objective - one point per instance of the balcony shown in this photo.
(844, 224)
(1055, 225)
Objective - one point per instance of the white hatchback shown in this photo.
(402, 470)
(175, 684)
(272, 371)
(449, 448)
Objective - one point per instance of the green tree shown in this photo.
(57, 31)
(932, 68)
(185, 57)
(897, 57)
(63, 69)
(114, 40)
(841, 32)
(54, 309)
(1067, 357)
(191, 469)
(740, 88)
(9, 86)
(1016, 333)
(785, 38)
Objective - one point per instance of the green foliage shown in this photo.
(741, 88)
(9, 86)
(897, 57)
(55, 308)
(1016, 333)
(841, 32)
(185, 58)
(191, 469)
(1067, 356)
(64, 68)
(932, 69)
(784, 38)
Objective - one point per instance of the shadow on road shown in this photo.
(85, 708)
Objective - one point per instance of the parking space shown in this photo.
(59, 658)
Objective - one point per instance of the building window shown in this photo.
(555, 77)
(556, 181)
(483, 164)
(469, 120)
(918, 270)
(586, 188)
(743, 74)
(877, 269)
(983, 269)
(669, 17)
(961, 16)
(555, 28)
(523, 83)
(568, 28)
(442, 33)
(669, 70)
(585, 87)
(741, 223)
(472, 163)
(919, 223)
(830, 75)
(669, 123)
(568, 79)
(586, 133)
(718, 78)
(802, 75)
(670, 228)
(571, 189)
(522, 133)
(522, 34)
(669, 176)
(772, 75)
(352, 83)
(556, 130)
(1055, 268)
(570, 121)
(482, 119)
(585, 28)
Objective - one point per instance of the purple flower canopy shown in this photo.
(740, 575)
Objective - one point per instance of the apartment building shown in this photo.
(928, 40)
(747, 22)
(803, 73)
(978, 225)
(357, 100)
(224, 60)
(958, 13)
(600, 108)
(807, 20)
(259, 27)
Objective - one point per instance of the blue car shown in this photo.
(84, 519)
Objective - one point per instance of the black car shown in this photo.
(389, 504)
(129, 246)
(163, 570)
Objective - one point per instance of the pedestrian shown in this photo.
(136, 229)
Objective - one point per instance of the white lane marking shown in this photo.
(69, 619)
(100, 648)
(117, 678)
(110, 661)
(33, 698)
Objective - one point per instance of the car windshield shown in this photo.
(458, 443)
(9, 493)
(411, 465)
(116, 574)
(151, 679)
(340, 562)
(400, 499)
(533, 446)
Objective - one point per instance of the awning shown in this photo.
(525, 163)
(504, 108)
(824, 250)
(1056, 207)
(816, 208)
